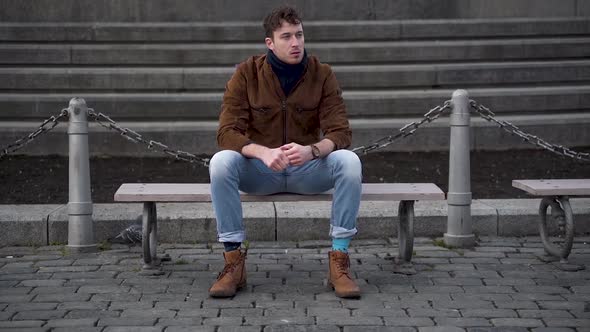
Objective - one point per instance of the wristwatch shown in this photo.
(315, 151)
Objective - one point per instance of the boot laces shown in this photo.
(229, 267)
(342, 265)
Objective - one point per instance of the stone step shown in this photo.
(314, 30)
(173, 79)
(255, 10)
(164, 106)
(198, 137)
(330, 52)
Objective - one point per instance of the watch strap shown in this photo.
(315, 151)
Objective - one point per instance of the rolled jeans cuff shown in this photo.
(340, 232)
(237, 236)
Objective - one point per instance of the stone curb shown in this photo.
(279, 221)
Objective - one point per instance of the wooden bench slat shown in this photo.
(200, 192)
(549, 187)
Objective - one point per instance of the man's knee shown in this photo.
(224, 161)
(348, 161)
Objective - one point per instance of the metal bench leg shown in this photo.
(406, 230)
(561, 211)
(149, 240)
(406, 238)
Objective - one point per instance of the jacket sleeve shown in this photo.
(332, 111)
(235, 111)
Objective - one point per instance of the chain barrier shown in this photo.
(137, 138)
(45, 127)
(561, 150)
(406, 130)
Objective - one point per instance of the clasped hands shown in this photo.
(291, 154)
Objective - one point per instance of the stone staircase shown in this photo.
(161, 69)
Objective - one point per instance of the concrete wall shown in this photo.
(217, 10)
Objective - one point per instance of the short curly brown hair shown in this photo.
(274, 20)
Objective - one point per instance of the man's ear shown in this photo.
(269, 43)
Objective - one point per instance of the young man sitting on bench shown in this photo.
(273, 110)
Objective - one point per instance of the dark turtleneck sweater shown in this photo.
(287, 74)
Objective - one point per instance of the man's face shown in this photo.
(287, 43)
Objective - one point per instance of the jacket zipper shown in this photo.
(284, 100)
(284, 108)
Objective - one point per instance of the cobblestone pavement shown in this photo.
(498, 286)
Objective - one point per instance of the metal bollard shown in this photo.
(459, 228)
(80, 225)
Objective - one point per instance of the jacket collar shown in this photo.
(284, 69)
(288, 75)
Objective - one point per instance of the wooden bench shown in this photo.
(151, 193)
(556, 194)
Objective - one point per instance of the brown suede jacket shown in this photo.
(256, 110)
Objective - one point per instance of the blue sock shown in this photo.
(341, 244)
(231, 246)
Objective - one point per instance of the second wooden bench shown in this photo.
(555, 193)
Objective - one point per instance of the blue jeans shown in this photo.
(230, 171)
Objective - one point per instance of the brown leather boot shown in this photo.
(233, 276)
(339, 277)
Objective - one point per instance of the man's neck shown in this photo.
(288, 74)
(280, 65)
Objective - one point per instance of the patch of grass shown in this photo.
(181, 262)
(33, 245)
(56, 243)
(104, 245)
(441, 243)
(428, 267)
(63, 250)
